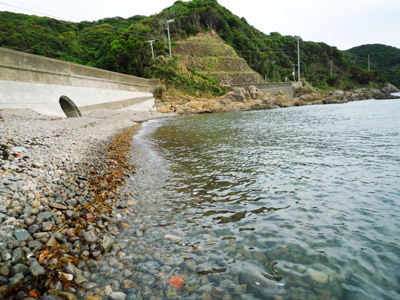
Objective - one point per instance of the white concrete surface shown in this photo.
(44, 98)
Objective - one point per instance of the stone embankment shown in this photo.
(60, 209)
(251, 98)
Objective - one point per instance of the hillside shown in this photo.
(208, 54)
(384, 61)
(121, 45)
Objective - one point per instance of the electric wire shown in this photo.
(159, 39)
(36, 12)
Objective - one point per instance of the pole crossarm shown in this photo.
(151, 45)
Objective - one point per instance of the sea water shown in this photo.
(294, 203)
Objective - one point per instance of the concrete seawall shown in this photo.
(274, 87)
(62, 88)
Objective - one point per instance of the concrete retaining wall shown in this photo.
(36, 82)
(273, 87)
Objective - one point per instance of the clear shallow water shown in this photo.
(307, 196)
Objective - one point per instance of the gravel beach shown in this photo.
(59, 206)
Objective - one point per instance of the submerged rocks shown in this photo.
(256, 281)
(45, 198)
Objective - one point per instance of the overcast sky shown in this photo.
(341, 23)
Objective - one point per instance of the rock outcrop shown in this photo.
(252, 98)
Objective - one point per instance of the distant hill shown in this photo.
(121, 45)
(384, 61)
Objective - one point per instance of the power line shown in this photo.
(36, 12)
(152, 37)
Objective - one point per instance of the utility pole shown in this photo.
(331, 67)
(151, 45)
(169, 39)
(354, 61)
(294, 72)
(273, 69)
(369, 66)
(298, 55)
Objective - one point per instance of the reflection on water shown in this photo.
(298, 203)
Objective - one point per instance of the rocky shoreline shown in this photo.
(59, 205)
(252, 98)
(61, 209)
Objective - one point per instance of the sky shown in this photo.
(341, 23)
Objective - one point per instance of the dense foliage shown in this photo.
(384, 61)
(121, 45)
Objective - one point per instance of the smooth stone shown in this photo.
(118, 296)
(106, 244)
(39, 235)
(90, 297)
(20, 268)
(18, 256)
(128, 284)
(89, 285)
(58, 206)
(3, 281)
(47, 226)
(52, 242)
(69, 214)
(90, 237)
(35, 245)
(227, 284)
(97, 254)
(5, 271)
(6, 255)
(85, 255)
(44, 216)
(318, 276)
(33, 228)
(240, 289)
(260, 257)
(13, 280)
(192, 266)
(256, 282)
(93, 266)
(22, 235)
(63, 295)
(37, 269)
(172, 237)
(80, 279)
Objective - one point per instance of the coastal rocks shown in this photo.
(106, 244)
(307, 97)
(248, 98)
(45, 198)
(256, 282)
(318, 276)
(235, 96)
(390, 88)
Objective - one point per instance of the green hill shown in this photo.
(384, 61)
(121, 45)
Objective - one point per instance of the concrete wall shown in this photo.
(31, 81)
(273, 87)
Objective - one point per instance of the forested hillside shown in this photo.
(121, 45)
(384, 61)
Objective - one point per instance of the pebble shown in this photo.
(318, 276)
(45, 203)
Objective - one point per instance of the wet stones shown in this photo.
(90, 237)
(106, 244)
(318, 276)
(37, 269)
